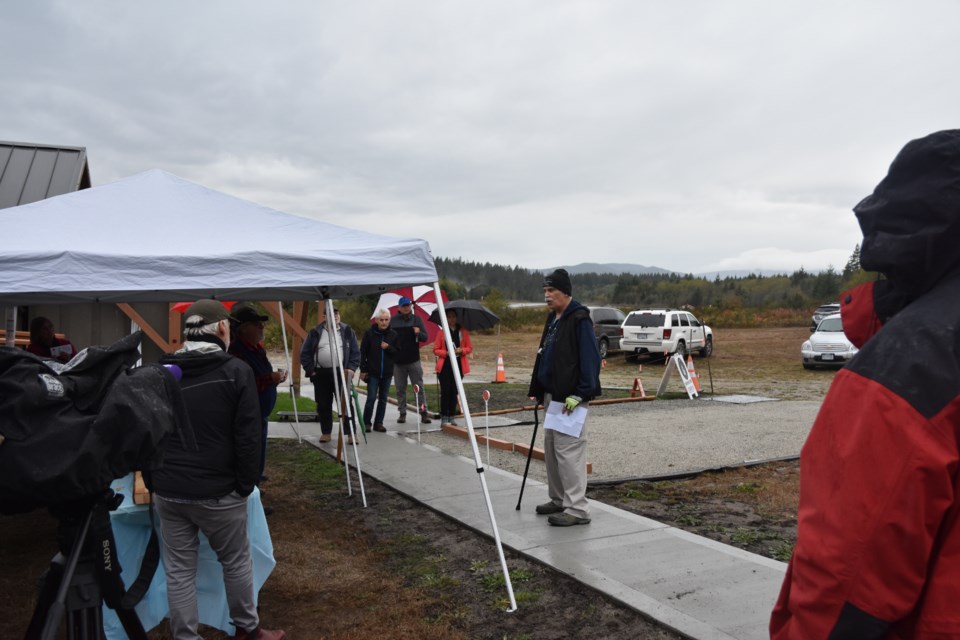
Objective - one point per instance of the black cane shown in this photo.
(536, 423)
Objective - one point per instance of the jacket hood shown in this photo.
(196, 363)
(911, 221)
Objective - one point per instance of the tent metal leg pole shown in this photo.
(286, 354)
(342, 395)
(471, 436)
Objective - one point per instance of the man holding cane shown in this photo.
(567, 371)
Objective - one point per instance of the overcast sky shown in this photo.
(692, 136)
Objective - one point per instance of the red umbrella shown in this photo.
(424, 302)
(180, 307)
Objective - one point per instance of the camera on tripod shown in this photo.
(66, 432)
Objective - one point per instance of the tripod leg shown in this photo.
(48, 592)
(58, 607)
(536, 423)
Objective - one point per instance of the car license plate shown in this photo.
(827, 356)
(642, 336)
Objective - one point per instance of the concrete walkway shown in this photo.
(695, 586)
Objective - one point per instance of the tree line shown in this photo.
(801, 290)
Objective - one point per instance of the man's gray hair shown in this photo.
(381, 311)
(210, 329)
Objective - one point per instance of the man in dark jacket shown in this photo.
(318, 361)
(411, 333)
(377, 351)
(567, 371)
(878, 549)
(205, 490)
(248, 346)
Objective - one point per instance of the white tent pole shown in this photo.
(328, 325)
(286, 354)
(471, 436)
(10, 324)
(344, 400)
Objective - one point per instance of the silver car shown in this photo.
(828, 346)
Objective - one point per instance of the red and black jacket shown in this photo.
(878, 550)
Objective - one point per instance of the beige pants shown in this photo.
(566, 459)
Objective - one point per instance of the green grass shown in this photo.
(285, 403)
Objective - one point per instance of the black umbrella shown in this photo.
(470, 314)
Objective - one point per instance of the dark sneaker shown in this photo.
(402, 418)
(549, 507)
(380, 428)
(566, 520)
(425, 418)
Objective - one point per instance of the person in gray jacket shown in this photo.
(317, 359)
(205, 490)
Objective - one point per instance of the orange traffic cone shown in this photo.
(637, 389)
(501, 372)
(693, 373)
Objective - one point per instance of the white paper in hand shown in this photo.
(570, 424)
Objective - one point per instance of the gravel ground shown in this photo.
(659, 437)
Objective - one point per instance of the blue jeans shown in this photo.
(377, 390)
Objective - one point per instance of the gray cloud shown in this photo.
(692, 136)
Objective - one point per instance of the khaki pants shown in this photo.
(566, 459)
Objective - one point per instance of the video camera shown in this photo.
(66, 433)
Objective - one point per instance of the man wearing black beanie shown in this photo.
(567, 371)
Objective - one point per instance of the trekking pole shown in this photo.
(536, 423)
(416, 394)
(357, 417)
(486, 406)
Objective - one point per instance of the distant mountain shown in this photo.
(609, 267)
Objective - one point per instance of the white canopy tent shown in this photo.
(155, 237)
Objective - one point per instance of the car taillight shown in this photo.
(621, 332)
(667, 333)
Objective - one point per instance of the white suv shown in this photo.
(659, 331)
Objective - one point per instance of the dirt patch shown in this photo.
(392, 570)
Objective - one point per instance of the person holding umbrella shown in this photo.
(448, 384)
(411, 333)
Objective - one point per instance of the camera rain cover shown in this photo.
(67, 431)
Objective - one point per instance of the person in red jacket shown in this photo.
(448, 385)
(878, 546)
(45, 343)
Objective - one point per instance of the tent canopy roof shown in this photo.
(157, 237)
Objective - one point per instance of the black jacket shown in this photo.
(374, 361)
(570, 363)
(221, 398)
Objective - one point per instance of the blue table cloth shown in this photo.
(131, 529)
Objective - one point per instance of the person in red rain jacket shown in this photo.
(448, 384)
(878, 546)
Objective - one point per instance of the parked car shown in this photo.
(828, 346)
(606, 326)
(822, 312)
(658, 331)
